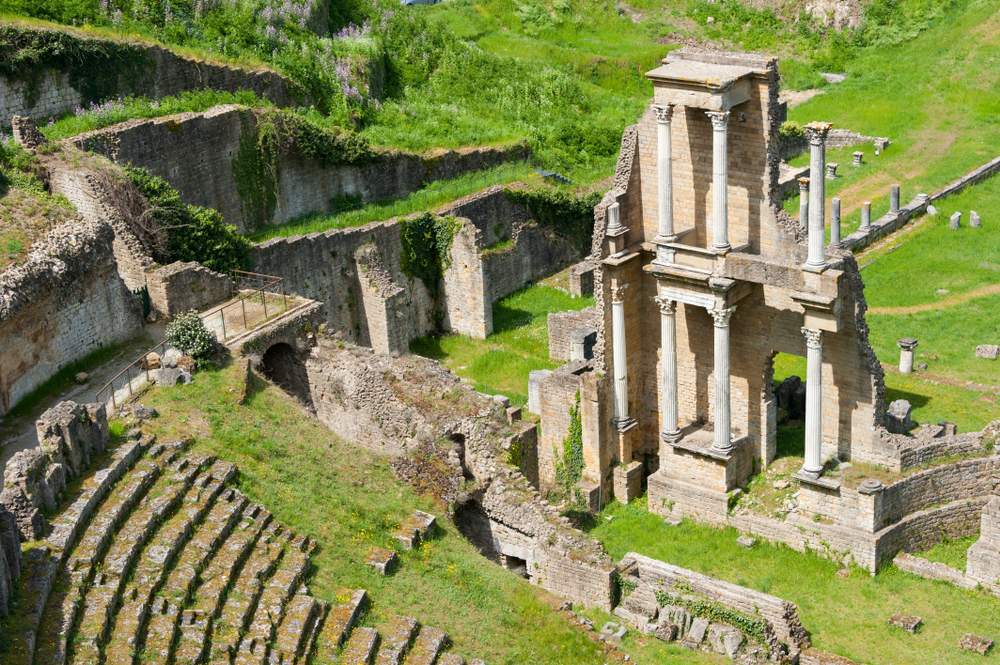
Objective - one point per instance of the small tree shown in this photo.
(189, 334)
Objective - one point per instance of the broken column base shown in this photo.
(628, 481)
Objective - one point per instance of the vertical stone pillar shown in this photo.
(858, 158)
(906, 347)
(618, 351)
(814, 402)
(835, 222)
(614, 224)
(894, 198)
(723, 441)
(804, 203)
(664, 171)
(670, 430)
(866, 215)
(817, 196)
(720, 181)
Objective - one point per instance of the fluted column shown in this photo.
(670, 429)
(618, 349)
(814, 401)
(664, 171)
(835, 223)
(720, 181)
(817, 195)
(723, 427)
(804, 203)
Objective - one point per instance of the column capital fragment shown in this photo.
(803, 184)
(721, 316)
(720, 119)
(814, 338)
(664, 113)
(817, 132)
(667, 306)
(618, 293)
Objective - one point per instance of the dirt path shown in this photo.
(951, 301)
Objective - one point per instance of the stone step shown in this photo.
(161, 632)
(277, 592)
(339, 621)
(425, 649)
(360, 647)
(322, 607)
(221, 572)
(300, 614)
(417, 527)
(252, 651)
(194, 628)
(450, 659)
(396, 637)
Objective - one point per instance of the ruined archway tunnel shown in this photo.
(282, 365)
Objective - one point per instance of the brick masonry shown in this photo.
(561, 324)
(181, 287)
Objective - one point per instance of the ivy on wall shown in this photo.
(569, 464)
(754, 627)
(569, 215)
(94, 66)
(426, 243)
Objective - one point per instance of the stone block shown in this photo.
(907, 622)
(897, 418)
(581, 279)
(980, 645)
(746, 541)
(513, 414)
(380, 560)
(613, 632)
(169, 377)
(581, 343)
(535, 378)
(666, 631)
(974, 220)
(628, 481)
(698, 628)
(988, 351)
(82, 377)
(955, 221)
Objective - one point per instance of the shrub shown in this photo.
(189, 334)
(790, 130)
(567, 214)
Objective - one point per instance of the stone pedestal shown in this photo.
(831, 170)
(720, 181)
(535, 378)
(813, 465)
(906, 346)
(858, 158)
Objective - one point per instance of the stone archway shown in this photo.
(282, 365)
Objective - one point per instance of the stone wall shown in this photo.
(561, 324)
(194, 153)
(66, 301)
(837, 138)
(182, 287)
(168, 74)
(984, 555)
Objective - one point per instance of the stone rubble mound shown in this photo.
(155, 555)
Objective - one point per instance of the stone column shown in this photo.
(723, 427)
(720, 181)
(814, 402)
(804, 202)
(866, 215)
(618, 348)
(835, 222)
(894, 198)
(817, 195)
(614, 224)
(664, 172)
(906, 347)
(670, 430)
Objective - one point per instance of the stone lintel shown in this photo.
(817, 481)
(703, 448)
(620, 259)
(678, 273)
(701, 85)
(822, 312)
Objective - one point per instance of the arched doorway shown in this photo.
(282, 366)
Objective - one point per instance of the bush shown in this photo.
(790, 130)
(189, 334)
(567, 214)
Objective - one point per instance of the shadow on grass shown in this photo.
(508, 318)
(916, 400)
(428, 347)
(791, 439)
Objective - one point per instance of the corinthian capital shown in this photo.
(721, 316)
(664, 113)
(667, 306)
(817, 132)
(814, 338)
(719, 119)
(618, 293)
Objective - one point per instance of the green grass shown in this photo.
(519, 343)
(951, 552)
(845, 616)
(347, 499)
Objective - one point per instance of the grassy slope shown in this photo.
(348, 499)
(846, 616)
(519, 344)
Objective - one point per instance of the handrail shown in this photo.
(242, 296)
(160, 349)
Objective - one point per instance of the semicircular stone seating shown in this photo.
(158, 560)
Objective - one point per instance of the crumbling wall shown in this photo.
(66, 301)
(194, 153)
(181, 287)
(35, 479)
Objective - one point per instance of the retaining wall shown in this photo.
(182, 287)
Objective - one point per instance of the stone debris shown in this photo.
(725, 640)
(416, 528)
(746, 542)
(672, 521)
(168, 377)
(694, 637)
(931, 210)
(143, 412)
(907, 622)
(781, 484)
(380, 560)
(988, 351)
(150, 361)
(980, 645)
(955, 221)
(613, 632)
(974, 220)
(82, 377)
(897, 418)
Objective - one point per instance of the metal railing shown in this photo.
(251, 291)
(127, 383)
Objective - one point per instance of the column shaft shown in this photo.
(670, 430)
(835, 223)
(618, 348)
(720, 181)
(664, 169)
(723, 440)
(817, 193)
(814, 401)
